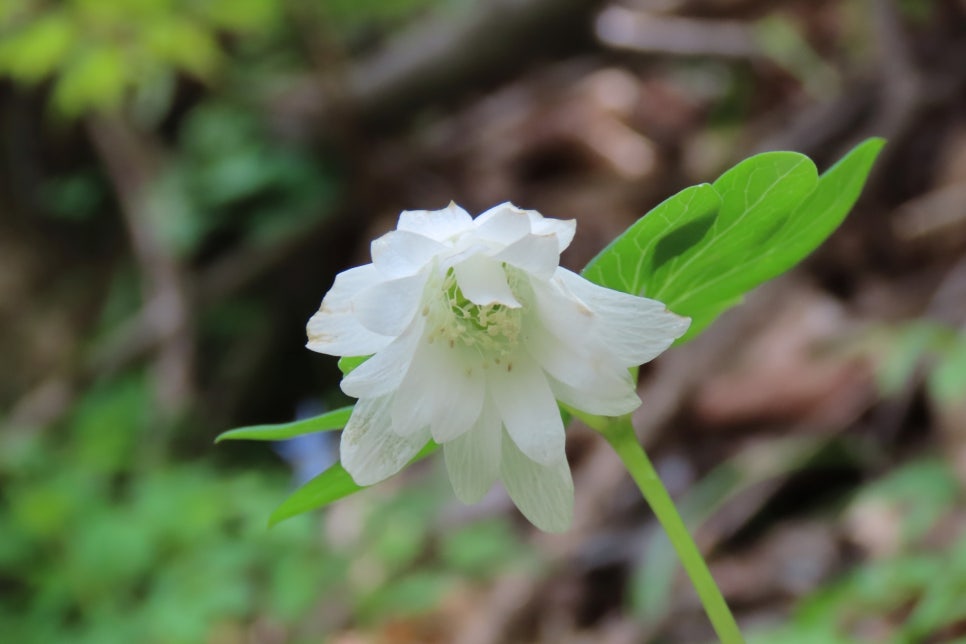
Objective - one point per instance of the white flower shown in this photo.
(475, 332)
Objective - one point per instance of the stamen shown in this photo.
(491, 329)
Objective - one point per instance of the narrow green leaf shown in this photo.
(626, 263)
(331, 485)
(335, 419)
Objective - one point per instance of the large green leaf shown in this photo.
(627, 262)
(821, 214)
(331, 485)
(757, 196)
(777, 237)
(335, 419)
(700, 251)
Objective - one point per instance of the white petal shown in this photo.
(544, 493)
(389, 307)
(473, 459)
(349, 283)
(635, 329)
(335, 329)
(503, 224)
(528, 408)
(414, 403)
(400, 253)
(571, 362)
(564, 229)
(370, 452)
(341, 334)
(590, 381)
(382, 373)
(562, 314)
(600, 399)
(459, 387)
(442, 388)
(440, 225)
(537, 255)
(483, 281)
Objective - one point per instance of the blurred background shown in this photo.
(180, 180)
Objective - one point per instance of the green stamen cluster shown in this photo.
(491, 329)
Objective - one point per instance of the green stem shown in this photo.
(620, 434)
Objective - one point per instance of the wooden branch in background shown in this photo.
(438, 59)
(652, 33)
(132, 165)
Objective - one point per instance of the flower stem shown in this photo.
(620, 434)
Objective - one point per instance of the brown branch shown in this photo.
(437, 59)
(132, 166)
(651, 33)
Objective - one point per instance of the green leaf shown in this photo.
(808, 225)
(700, 251)
(93, 80)
(626, 263)
(700, 279)
(331, 485)
(39, 48)
(335, 419)
(907, 349)
(183, 43)
(348, 363)
(947, 382)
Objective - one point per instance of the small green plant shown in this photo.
(491, 290)
(911, 591)
(935, 350)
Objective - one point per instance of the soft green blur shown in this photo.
(106, 538)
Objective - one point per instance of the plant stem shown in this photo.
(620, 434)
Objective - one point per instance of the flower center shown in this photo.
(491, 329)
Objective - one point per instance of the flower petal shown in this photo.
(537, 255)
(473, 459)
(443, 388)
(483, 281)
(414, 402)
(335, 328)
(382, 373)
(635, 329)
(370, 452)
(503, 224)
(600, 399)
(342, 335)
(543, 493)
(440, 225)
(562, 314)
(528, 408)
(580, 375)
(389, 307)
(564, 229)
(459, 388)
(401, 253)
